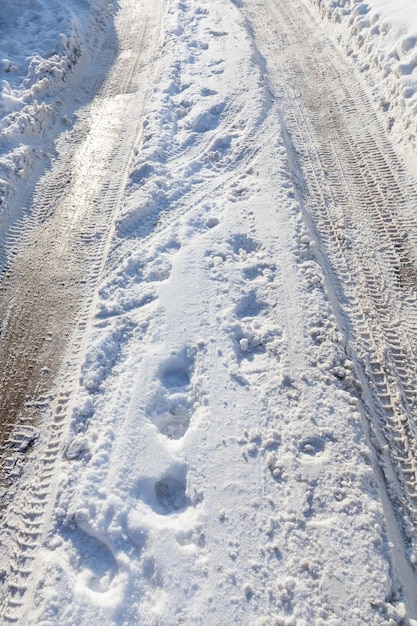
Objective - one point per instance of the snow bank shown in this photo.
(381, 35)
(42, 43)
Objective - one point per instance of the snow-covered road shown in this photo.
(209, 335)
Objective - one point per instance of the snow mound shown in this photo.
(42, 44)
(381, 36)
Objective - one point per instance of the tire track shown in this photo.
(358, 200)
(48, 294)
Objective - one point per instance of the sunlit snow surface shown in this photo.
(216, 469)
(42, 44)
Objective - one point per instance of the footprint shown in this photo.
(141, 173)
(170, 495)
(243, 242)
(171, 406)
(173, 416)
(176, 379)
(205, 92)
(313, 445)
(212, 221)
(167, 495)
(93, 559)
(158, 269)
(249, 306)
(207, 120)
(175, 373)
(255, 271)
(218, 33)
(219, 147)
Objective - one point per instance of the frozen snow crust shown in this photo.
(42, 44)
(381, 35)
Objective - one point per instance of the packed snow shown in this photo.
(217, 466)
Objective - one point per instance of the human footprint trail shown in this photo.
(216, 469)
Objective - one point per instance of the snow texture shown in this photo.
(216, 469)
(381, 35)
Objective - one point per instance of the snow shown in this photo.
(382, 36)
(43, 44)
(217, 466)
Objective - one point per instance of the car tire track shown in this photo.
(72, 225)
(358, 200)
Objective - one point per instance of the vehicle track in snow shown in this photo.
(359, 201)
(56, 253)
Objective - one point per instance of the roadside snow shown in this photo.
(42, 44)
(381, 35)
(216, 469)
